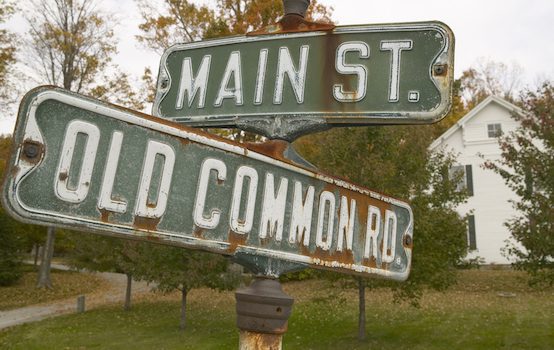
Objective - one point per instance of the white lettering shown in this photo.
(232, 70)
(297, 78)
(389, 237)
(260, 77)
(106, 201)
(151, 210)
(212, 220)
(273, 208)
(396, 47)
(301, 216)
(324, 198)
(62, 190)
(237, 225)
(358, 69)
(346, 223)
(189, 84)
(372, 230)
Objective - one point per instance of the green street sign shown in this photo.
(82, 164)
(307, 81)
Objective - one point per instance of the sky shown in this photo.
(509, 31)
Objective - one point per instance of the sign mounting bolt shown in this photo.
(31, 150)
(439, 69)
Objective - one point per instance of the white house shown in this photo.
(474, 139)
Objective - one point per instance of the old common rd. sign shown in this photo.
(79, 163)
(370, 74)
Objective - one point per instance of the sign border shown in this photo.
(27, 131)
(442, 82)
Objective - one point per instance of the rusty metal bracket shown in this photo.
(263, 307)
(293, 21)
(288, 129)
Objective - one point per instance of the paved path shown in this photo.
(114, 293)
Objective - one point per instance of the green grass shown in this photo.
(486, 310)
(65, 284)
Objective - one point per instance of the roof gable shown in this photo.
(472, 114)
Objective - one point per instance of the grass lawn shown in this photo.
(488, 309)
(65, 284)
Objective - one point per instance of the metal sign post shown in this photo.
(263, 310)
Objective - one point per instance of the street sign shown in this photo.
(82, 164)
(306, 81)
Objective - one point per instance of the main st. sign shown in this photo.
(355, 75)
(79, 163)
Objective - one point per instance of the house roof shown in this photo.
(475, 111)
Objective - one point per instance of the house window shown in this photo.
(471, 240)
(494, 130)
(464, 175)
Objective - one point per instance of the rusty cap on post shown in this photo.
(293, 21)
(296, 7)
(263, 307)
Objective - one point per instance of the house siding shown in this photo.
(490, 203)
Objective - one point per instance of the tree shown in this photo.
(99, 253)
(119, 89)
(527, 167)
(175, 268)
(7, 56)
(11, 250)
(12, 242)
(396, 161)
(488, 78)
(179, 21)
(70, 42)
(182, 21)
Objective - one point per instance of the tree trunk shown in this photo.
(44, 280)
(36, 248)
(361, 315)
(182, 321)
(127, 305)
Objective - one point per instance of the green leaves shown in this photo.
(71, 42)
(181, 21)
(527, 167)
(396, 161)
(174, 268)
(8, 42)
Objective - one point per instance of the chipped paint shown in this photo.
(146, 224)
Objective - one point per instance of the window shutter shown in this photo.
(472, 241)
(469, 180)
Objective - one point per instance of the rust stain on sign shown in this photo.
(272, 148)
(105, 215)
(148, 224)
(235, 240)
